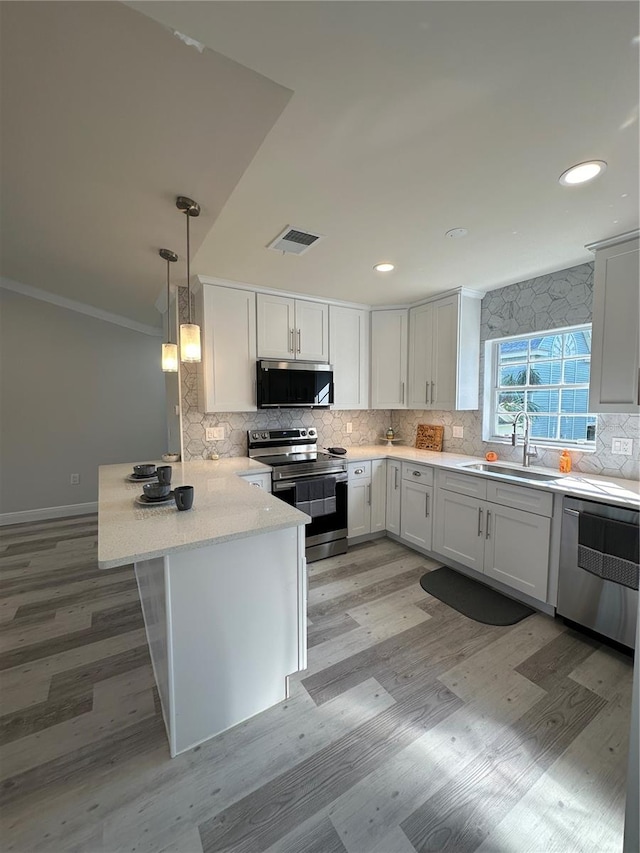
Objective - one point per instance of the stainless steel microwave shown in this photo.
(289, 384)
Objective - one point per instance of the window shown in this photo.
(547, 375)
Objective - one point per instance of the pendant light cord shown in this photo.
(187, 214)
(168, 305)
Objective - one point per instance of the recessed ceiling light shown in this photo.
(384, 267)
(582, 172)
(456, 233)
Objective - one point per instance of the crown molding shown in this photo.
(79, 307)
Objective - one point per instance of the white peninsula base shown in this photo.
(226, 626)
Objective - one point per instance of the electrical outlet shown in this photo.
(458, 432)
(349, 428)
(74, 479)
(214, 434)
(622, 446)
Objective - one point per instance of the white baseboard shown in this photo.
(47, 512)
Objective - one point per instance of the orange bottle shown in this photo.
(565, 462)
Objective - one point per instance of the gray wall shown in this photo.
(551, 301)
(75, 392)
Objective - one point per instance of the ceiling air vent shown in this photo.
(294, 241)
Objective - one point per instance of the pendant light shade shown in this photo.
(169, 350)
(190, 347)
(170, 358)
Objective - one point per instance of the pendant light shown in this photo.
(190, 349)
(169, 350)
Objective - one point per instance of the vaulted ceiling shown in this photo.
(407, 119)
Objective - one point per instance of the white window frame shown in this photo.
(491, 390)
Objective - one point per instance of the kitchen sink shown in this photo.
(504, 471)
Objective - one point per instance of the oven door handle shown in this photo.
(283, 485)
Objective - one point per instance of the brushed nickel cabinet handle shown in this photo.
(426, 392)
(402, 392)
(488, 533)
(369, 494)
(291, 333)
(479, 521)
(395, 471)
(432, 386)
(426, 505)
(359, 471)
(299, 341)
(416, 474)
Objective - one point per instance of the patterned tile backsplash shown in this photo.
(551, 301)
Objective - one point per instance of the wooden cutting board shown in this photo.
(429, 437)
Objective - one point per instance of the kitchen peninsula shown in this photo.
(222, 588)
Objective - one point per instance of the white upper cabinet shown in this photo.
(292, 328)
(615, 359)
(349, 356)
(228, 371)
(312, 331)
(444, 353)
(389, 333)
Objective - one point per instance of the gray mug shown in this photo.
(164, 474)
(183, 497)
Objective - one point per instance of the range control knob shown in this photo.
(255, 436)
(303, 432)
(312, 432)
(265, 435)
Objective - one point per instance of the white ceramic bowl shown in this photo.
(170, 457)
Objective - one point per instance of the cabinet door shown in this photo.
(389, 359)
(394, 480)
(420, 361)
(349, 356)
(615, 360)
(359, 507)
(378, 494)
(416, 515)
(458, 531)
(276, 327)
(517, 549)
(312, 331)
(445, 354)
(229, 351)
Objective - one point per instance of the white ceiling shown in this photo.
(106, 118)
(407, 119)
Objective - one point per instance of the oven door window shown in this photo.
(324, 523)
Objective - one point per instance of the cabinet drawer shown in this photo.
(519, 497)
(463, 484)
(360, 470)
(417, 473)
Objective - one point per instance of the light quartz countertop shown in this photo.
(225, 507)
(612, 490)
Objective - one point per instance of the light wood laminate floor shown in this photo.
(414, 728)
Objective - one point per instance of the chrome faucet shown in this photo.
(526, 453)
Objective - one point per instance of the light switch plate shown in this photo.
(214, 434)
(349, 428)
(458, 432)
(622, 446)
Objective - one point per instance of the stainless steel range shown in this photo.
(309, 479)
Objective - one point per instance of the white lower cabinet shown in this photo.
(394, 490)
(416, 517)
(517, 549)
(366, 500)
(507, 544)
(416, 523)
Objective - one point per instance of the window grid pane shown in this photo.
(531, 373)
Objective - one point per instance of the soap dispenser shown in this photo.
(565, 462)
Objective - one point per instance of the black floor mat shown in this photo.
(473, 599)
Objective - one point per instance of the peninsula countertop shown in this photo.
(225, 507)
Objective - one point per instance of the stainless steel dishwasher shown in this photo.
(604, 606)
